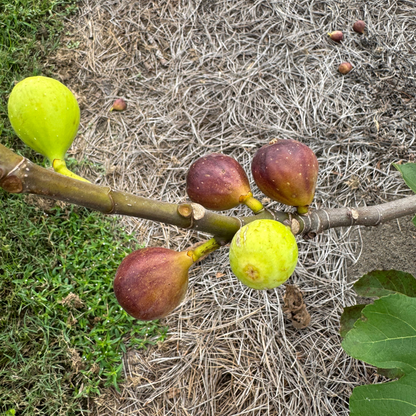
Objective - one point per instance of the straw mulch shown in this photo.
(205, 76)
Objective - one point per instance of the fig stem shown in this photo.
(303, 210)
(59, 166)
(204, 249)
(254, 204)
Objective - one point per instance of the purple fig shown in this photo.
(336, 36)
(287, 172)
(359, 26)
(119, 105)
(344, 68)
(219, 182)
(151, 282)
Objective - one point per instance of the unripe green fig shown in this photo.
(263, 254)
(286, 171)
(151, 282)
(45, 115)
(218, 182)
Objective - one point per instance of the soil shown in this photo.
(390, 246)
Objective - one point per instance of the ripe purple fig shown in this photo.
(336, 36)
(219, 182)
(286, 171)
(344, 68)
(359, 26)
(151, 282)
(119, 105)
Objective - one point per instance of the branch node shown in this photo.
(185, 210)
(12, 184)
(113, 205)
(198, 211)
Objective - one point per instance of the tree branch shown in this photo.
(20, 175)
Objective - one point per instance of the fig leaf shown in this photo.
(348, 318)
(385, 282)
(408, 171)
(385, 337)
(396, 398)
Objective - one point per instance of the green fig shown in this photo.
(263, 254)
(286, 171)
(218, 182)
(151, 282)
(45, 115)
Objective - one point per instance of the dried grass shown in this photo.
(228, 76)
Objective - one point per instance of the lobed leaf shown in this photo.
(408, 171)
(348, 318)
(396, 398)
(386, 335)
(380, 283)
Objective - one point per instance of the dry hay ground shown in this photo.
(228, 76)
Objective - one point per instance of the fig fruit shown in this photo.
(45, 115)
(336, 36)
(359, 26)
(218, 182)
(263, 254)
(151, 282)
(119, 105)
(344, 68)
(286, 171)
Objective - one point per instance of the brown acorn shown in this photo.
(359, 26)
(344, 68)
(336, 36)
(287, 172)
(218, 182)
(151, 282)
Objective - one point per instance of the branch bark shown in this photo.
(20, 175)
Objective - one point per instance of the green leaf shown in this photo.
(390, 372)
(414, 220)
(385, 282)
(396, 398)
(408, 171)
(349, 317)
(386, 335)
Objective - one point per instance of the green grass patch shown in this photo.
(29, 31)
(62, 332)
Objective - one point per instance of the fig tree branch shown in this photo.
(20, 175)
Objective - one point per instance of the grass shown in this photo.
(62, 333)
(29, 31)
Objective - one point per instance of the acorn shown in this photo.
(359, 26)
(344, 68)
(336, 36)
(218, 182)
(286, 171)
(151, 282)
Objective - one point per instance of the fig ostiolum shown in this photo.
(45, 115)
(151, 282)
(286, 171)
(263, 254)
(218, 182)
